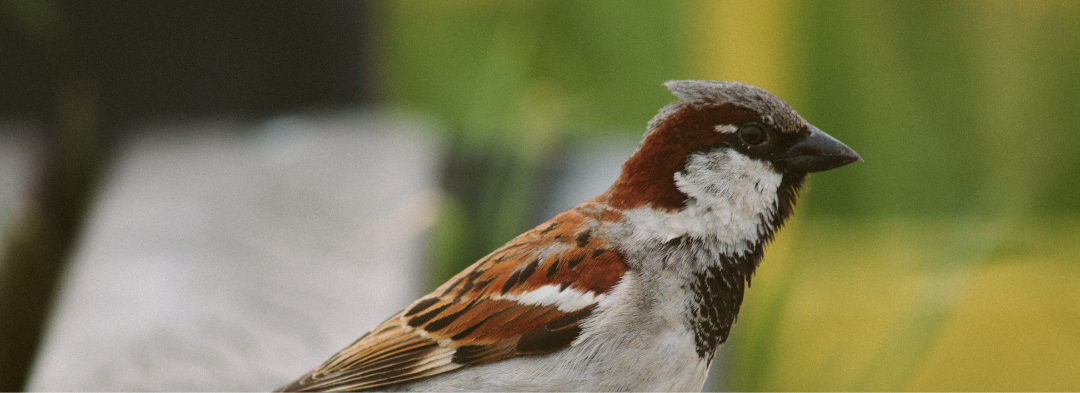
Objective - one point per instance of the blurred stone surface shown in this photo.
(234, 257)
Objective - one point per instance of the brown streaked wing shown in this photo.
(473, 319)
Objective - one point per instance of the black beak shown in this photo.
(818, 152)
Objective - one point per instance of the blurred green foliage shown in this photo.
(511, 80)
(946, 261)
(958, 107)
(481, 66)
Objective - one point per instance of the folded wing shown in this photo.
(528, 297)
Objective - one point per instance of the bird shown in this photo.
(634, 289)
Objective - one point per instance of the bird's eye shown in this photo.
(752, 134)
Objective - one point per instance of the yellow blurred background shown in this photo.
(982, 296)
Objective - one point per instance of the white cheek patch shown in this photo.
(730, 183)
(730, 194)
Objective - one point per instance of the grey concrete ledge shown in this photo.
(223, 256)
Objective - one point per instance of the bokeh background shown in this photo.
(948, 260)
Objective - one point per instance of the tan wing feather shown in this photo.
(475, 319)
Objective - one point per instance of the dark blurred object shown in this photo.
(192, 58)
(87, 70)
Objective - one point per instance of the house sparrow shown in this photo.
(634, 289)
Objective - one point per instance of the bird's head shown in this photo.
(727, 148)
